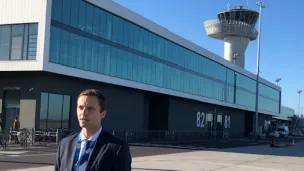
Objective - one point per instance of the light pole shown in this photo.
(261, 5)
(299, 92)
(278, 80)
(235, 56)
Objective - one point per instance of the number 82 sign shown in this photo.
(200, 120)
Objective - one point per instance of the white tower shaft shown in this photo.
(236, 45)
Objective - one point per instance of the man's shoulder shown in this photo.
(69, 138)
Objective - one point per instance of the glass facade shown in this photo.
(54, 111)
(86, 37)
(287, 112)
(18, 42)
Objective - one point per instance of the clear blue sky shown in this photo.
(282, 44)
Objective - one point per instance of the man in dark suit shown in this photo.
(92, 148)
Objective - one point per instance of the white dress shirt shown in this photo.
(83, 147)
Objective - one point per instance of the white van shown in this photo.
(283, 131)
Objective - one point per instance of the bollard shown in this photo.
(173, 135)
(272, 143)
(33, 136)
(57, 134)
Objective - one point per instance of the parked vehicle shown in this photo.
(283, 131)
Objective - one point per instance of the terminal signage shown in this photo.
(201, 119)
(227, 121)
(11, 88)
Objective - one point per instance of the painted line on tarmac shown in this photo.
(31, 155)
(246, 140)
(12, 152)
(172, 146)
(168, 142)
(28, 168)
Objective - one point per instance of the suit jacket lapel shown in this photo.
(98, 149)
(70, 160)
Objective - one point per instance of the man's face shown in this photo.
(89, 112)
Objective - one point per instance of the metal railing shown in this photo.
(26, 138)
(172, 136)
(32, 137)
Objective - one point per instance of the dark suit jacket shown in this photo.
(109, 154)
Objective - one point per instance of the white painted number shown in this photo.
(265, 125)
(227, 121)
(200, 120)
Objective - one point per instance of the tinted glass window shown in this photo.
(18, 42)
(16, 50)
(43, 110)
(54, 110)
(5, 42)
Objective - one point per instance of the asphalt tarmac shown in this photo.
(35, 157)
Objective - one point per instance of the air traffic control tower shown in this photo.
(236, 27)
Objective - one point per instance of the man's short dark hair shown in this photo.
(95, 93)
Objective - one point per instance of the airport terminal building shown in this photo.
(153, 79)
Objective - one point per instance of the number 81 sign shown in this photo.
(227, 121)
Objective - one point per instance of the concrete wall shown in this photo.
(27, 113)
(183, 115)
(237, 120)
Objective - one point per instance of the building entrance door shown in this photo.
(11, 108)
(209, 123)
(10, 114)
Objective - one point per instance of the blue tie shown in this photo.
(88, 144)
(87, 156)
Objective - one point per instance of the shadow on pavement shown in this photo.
(234, 146)
(138, 151)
